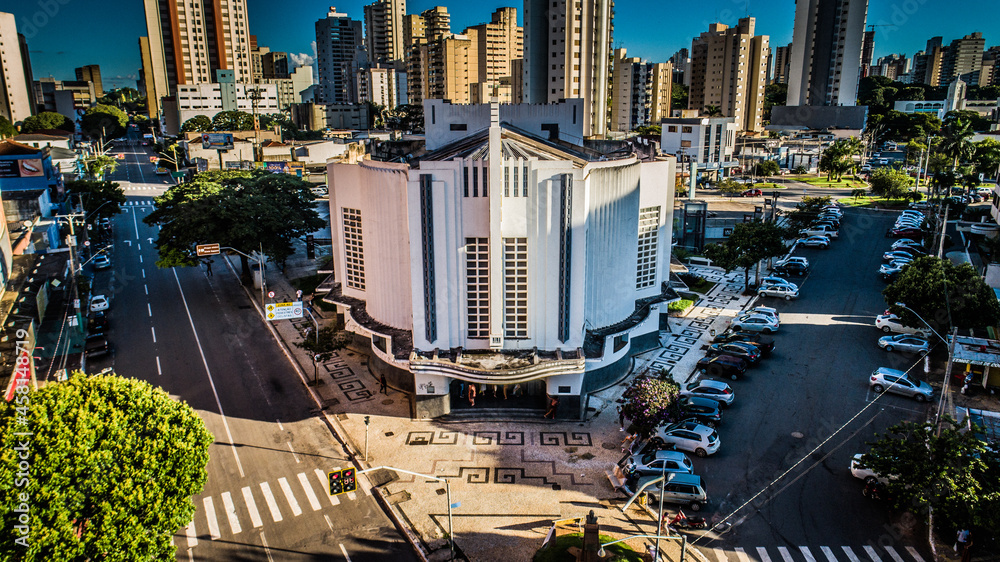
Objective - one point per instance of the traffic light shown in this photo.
(336, 484)
(348, 480)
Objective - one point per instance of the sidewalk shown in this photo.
(509, 479)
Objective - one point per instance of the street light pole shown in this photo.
(947, 371)
(447, 487)
(659, 517)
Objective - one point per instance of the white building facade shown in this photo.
(506, 260)
(708, 141)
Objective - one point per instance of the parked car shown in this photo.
(722, 366)
(745, 351)
(793, 259)
(98, 303)
(688, 436)
(764, 343)
(820, 229)
(889, 323)
(97, 322)
(897, 255)
(656, 462)
(905, 342)
(775, 280)
(906, 232)
(102, 261)
(904, 243)
(96, 346)
(867, 474)
(821, 242)
(832, 220)
(900, 262)
(704, 410)
(890, 276)
(682, 489)
(769, 311)
(884, 379)
(752, 192)
(710, 388)
(780, 291)
(755, 323)
(790, 268)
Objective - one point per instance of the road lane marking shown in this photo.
(344, 550)
(149, 308)
(140, 258)
(310, 494)
(914, 554)
(742, 555)
(252, 507)
(213, 523)
(281, 427)
(211, 382)
(158, 370)
(135, 222)
(294, 456)
(892, 553)
(292, 502)
(720, 555)
(324, 484)
(192, 535)
(785, 555)
(138, 246)
(267, 549)
(762, 554)
(329, 523)
(807, 554)
(850, 554)
(146, 288)
(872, 554)
(828, 553)
(352, 496)
(143, 273)
(234, 522)
(152, 329)
(271, 504)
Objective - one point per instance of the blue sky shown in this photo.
(78, 34)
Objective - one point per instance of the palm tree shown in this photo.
(713, 111)
(957, 142)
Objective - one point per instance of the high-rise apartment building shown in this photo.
(782, 62)
(384, 31)
(891, 66)
(190, 41)
(826, 52)
(339, 54)
(963, 59)
(274, 64)
(256, 66)
(154, 79)
(681, 62)
(498, 43)
(15, 90)
(867, 52)
(567, 54)
(419, 31)
(729, 72)
(91, 73)
(927, 63)
(640, 92)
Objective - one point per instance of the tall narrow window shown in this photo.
(524, 176)
(649, 223)
(465, 170)
(354, 254)
(477, 286)
(506, 181)
(427, 245)
(515, 181)
(565, 247)
(515, 287)
(475, 181)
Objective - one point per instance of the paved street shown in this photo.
(197, 336)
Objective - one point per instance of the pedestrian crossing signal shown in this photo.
(348, 480)
(336, 483)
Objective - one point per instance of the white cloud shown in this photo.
(303, 59)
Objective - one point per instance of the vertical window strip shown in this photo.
(465, 170)
(524, 174)
(515, 263)
(477, 287)
(649, 223)
(475, 181)
(354, 257)
(515, 179)
(506, 181)
(565, 248)
(486, 181)
(427, 242)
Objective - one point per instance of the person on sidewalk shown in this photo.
(382, 385)
(208, 268)
(553, 403)
(472, 394)
(298, 295)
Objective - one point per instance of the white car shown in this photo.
(790, 259)
(820, 230)
(688, 436)
(866, 474)
(884, 379)
(775, 280)
(906, 343)
(765, 310)
(780, 291)
(904, 243)
(890, 323)
(98, 303)
(814, 242)
(756, 323)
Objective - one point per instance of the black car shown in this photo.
(746, 351)
(703, 410)
(764, 343)
(96, 346)
(790, 268)
(723, 365)
(97, 322)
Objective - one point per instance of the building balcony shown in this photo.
(497, 367)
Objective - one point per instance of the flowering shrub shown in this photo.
(649, 403)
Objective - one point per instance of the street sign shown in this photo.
(177, 175)
(270, 294)
(207, 249)
(283, 310)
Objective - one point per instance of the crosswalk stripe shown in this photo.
(785, 555)
(213, 523)
(807, 554)
(192, 535)
(252, 507)
(828, 553)
(234, 522)
(895, 555)
(365, 486)
(324, 483)
(310, 495)
(872, 554)
(292, 502)
(271, 504)
(762, 553)
(720, 555)
(850, 554)
(742, 555)
(914, 554)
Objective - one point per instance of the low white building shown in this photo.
(504, 261)
(709, 141)
(208, 99)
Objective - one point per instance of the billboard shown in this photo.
(23, 168)
(294, 168)
(217, 141)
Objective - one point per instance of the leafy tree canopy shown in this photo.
(649, 403)
(774, 94)
(987, 157)
(197, 124)
(678, 96)
(406, 118)
(101, 164)
(838, 158)
(805, 212)
(976, 121)
(766, 168)
(903, 127)
(104, 120)
(749, 243)
(934, 287)
(114, 463)
(890, 183)
(654, 130)
(957, 141)
(7, 129)
(100, 198)
(47, 120)
(232, 121)
(245, 210)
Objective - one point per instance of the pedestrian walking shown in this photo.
(553, 403)
(383, 386)
(298, 295)
(961, 540)
(967, 551)
(208, 268)
(517, 389)
(621, 418)
(472, 394)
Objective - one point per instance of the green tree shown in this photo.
(943, 294)
(890, 183)
(406, 118)
(976, 121)
(955, 472)
(232, 121)
(197, 124)
(7, 130)
(105, 121)
(238, 209)
(774, 94)
(748, 245)
(727, 186)
(98, 165)
(805, 213)
(649, 403)
(987, 158)
(861, 192)
(713, 111)
(653, 130)
(766, 168)
(838, 158)
(678, 96)
(114, 463)
(100, 198)
(47, 120)
(957, 141)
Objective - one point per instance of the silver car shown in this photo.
(885, 379)
(756, 323)
(775, 280)
(780, 291)
(710, 388)
(905, 342)
(657, 462)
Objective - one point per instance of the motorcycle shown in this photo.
(684, 523)
(876, 490)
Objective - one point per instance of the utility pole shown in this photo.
(947, 379)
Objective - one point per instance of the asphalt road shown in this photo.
(198, 338)
(781, 476)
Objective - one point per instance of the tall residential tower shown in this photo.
(826, 52)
